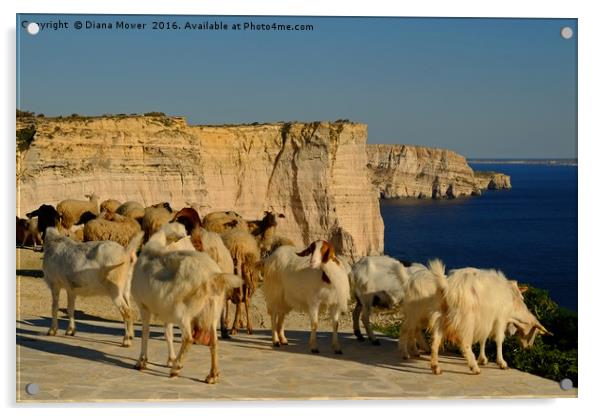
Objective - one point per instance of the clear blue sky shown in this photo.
(483, 87)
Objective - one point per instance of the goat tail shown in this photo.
(437, 268)
(229, 281)
(134, 243)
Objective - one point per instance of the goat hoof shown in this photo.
(475, 370)
(70, 332)
(358, 335)
(51, 332)
(483, 361)
(405, 356)
(234, 331)
(126, 343)
(173, 374)
(436, 370)
(225, 335)
(376, 342)
(249, 331)
(283, 343)
(276, 344)
(171, 362)
(503, 365)
(211, 378)
(140, 365)
(338, 352)
(315, 351)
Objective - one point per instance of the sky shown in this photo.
(486, 88)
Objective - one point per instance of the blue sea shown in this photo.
(529, 232)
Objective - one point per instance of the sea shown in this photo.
(528, 232)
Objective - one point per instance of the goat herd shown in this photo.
(189, 270)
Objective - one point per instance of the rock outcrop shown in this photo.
(419, 172)
(314, 173)
(492, 180)
(399, 171)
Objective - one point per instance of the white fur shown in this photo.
(421, 304)
(292, 282)
(179, 287)
(89, 269)
(376, 281)
(476, 305)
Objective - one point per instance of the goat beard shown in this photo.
(201, 336)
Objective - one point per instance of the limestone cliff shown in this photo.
(492, 180)
(423, 172)
(314, 173)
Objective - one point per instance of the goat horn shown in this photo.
(543, 330)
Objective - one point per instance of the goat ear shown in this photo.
(329, 253)
(523, 289)
(310, 249)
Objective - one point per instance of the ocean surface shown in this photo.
(529, 232)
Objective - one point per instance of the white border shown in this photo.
(589, 28)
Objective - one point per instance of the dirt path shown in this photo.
(92, 366)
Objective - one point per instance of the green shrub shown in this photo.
(25, 137)
(553, 357)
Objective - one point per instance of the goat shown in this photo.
(291, 282)
(376, 281)
(184, 288)
(48, 216)
(89, 269)
(212, 244)
(477, 304)
(420, 305)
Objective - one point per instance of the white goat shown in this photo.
(89, 269)
(421, 303)
(476, 305)
(180, 287)
(375, 281)
(291, 282)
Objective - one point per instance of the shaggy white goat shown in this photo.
(376, 281)
(89, 269)
(477, 305)
(184, 288)
(291, 282)
(421, 303)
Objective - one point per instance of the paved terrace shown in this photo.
(92, 366)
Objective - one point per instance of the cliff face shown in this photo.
(314, 173)
(492, 180)
(419, 172)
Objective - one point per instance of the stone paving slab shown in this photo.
(93, 367)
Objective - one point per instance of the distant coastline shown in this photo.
(550, 162)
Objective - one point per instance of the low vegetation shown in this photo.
(553, 357)
(25, 137)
